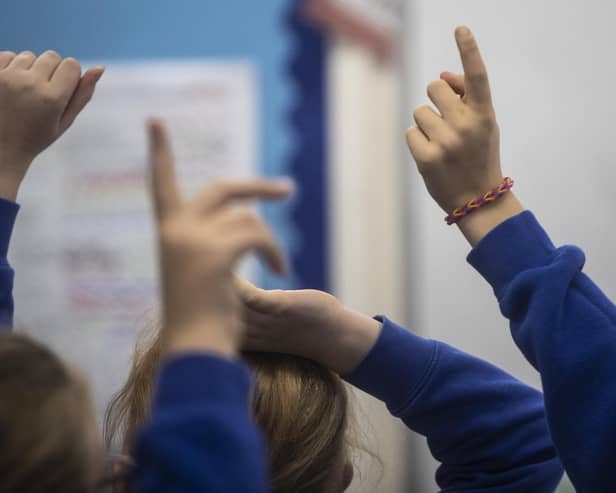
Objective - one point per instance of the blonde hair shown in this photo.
(301, 407)
(46, 422)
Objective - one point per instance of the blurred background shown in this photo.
(321, 91)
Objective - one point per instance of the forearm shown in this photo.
(13, 169)
(348, 340)
(486, 428)
(9, 187)
(477, 225)
(566, 328)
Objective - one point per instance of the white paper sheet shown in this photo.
(83, 247)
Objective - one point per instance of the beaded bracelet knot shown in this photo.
(473, 205)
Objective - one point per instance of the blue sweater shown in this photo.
(566, 328)
(487, 429)
(8, 214)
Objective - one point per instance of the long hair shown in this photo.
(301, 407)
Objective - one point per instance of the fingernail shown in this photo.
(99, 73)
(464, 31)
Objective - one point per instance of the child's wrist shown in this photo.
(13, 168)
(486, 198)
(355, 335)
(477, 225)
(11, 178)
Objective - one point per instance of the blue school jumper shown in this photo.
(488, 430)
(566, 328)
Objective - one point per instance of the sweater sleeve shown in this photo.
(200, 436)
(566, 328)
(8, 214)
(487, 429)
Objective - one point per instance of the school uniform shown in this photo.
(566, 328)
(487, 429)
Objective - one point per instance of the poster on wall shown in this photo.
(83, 245)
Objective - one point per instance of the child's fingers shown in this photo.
(65, 80)
(260, 239)
(246, 230)
(164, 188)
(220, 194)
(455, 81)
(421, 148)
(23, 61)
(81, 97)
(430, 123)
(46, 64)
(475, 73)
(259, 335)
(443, 97)
(6, 57)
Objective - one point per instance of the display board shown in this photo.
(68, 300)
(83, 246)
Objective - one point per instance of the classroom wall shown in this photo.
(153, 29)
(116, 30)
(552, 74)
(366, 236)
(362, 229)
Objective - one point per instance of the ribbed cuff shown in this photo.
(397, 367)
(8, 215)
(516, 245)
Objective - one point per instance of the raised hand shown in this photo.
(307, 323)
(457, 150)
(200, 242)
(39, 100)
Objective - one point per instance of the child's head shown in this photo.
(301, 407)
(48, 432)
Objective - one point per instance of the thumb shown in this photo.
(262, 301)
(81, 97)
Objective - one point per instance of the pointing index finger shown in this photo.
(165, 190)
(476, 75)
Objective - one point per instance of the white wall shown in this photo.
(366, 233)
(552, 78)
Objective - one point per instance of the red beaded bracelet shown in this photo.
(473, 205)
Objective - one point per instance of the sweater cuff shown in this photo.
(200, 378)
(516, 245)
(398, 356)
(8, 214)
